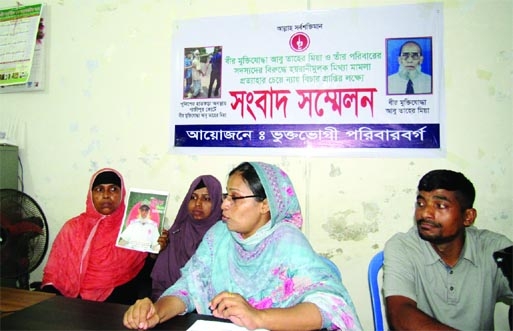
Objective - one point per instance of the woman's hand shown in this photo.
(142, 315)
(163, 239)
(234, 307)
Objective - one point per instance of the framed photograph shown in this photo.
(143, 221)
(409, 59)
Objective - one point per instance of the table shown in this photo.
(14, 299)
(61, 313)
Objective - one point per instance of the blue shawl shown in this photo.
(274, 268)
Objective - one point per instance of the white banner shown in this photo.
(362, 81)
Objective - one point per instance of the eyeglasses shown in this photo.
(414, 55)
(231, 199)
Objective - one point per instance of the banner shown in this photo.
(357, 81)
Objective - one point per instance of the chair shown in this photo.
(375, 290)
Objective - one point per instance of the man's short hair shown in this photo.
(451, 181)
(410, 42)
(144, 207)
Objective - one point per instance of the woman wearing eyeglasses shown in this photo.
(200, 209)
(256, 268)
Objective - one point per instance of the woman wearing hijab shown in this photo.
(84, 261)
(256, 268)
(200, 209)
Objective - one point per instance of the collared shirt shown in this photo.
(462, 297)
(216, 61)
(421, 84)
(141, 234)
(196, 68)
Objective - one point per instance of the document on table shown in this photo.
(202, 325)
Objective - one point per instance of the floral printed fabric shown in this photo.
(276, 267)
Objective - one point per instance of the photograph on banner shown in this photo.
(409, 66)
(326, 81)
(143, 221)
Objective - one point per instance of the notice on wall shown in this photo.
(22, 31)
(356, 81)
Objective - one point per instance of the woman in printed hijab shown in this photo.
(256, 268)
(200, 209)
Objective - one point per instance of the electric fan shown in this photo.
(23, 237)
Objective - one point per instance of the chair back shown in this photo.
(375, 265)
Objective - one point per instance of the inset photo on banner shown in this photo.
(409, 66)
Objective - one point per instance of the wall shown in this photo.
(107, 104)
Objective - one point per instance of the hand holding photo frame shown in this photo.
(143, 221)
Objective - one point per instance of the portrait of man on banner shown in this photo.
(409, 66)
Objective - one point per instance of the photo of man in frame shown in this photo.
(409, 66)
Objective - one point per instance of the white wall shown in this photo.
(107, 104)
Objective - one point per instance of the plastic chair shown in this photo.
(375, 290)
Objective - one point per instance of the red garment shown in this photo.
(84, 260)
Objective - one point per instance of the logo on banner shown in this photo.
(299, 42)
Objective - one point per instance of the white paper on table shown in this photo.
(202, 325)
